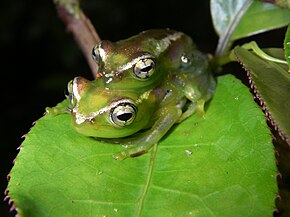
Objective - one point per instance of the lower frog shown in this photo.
(139, 113)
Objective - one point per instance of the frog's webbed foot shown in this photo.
(61, 108)
(56, 110)
(142, 143)
(132, 146)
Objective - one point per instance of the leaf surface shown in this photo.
(261, 17)
(271, 82)
(287, 46)
(225, 13)
(221, 164)
(235, 19)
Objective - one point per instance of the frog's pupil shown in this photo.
(125, 116)
(146, 69)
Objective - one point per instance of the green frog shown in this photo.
(145, 84)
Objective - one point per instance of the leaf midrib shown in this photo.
(140, 201)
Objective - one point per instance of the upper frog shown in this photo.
(147, 57)
(145, 85)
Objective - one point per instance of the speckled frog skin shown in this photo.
(145, 85)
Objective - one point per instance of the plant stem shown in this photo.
(255, 48)
(80, 26)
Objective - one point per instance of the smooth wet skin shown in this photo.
(145, 85)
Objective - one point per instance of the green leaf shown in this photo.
(225, 13)
(226, 16)
(287, 46)
(280, 3)
(220, 165)
(271, 82)
(261, 17)
(235, 19)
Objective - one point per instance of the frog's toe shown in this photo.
(121, 141)
(120, 156)
(130, 152)
(54, 111)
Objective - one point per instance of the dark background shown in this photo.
(38, 56)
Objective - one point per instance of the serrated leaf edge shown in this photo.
(262, 102)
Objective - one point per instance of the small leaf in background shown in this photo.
(226, 16)
(220, 165)
(287, 47)
(280, 3)
(271, 83)
(261, 17)
(235, 19)
(224, 13)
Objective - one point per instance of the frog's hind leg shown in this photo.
(143, 143)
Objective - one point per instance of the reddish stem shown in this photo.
(84, 33)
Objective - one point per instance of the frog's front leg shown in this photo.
(196, 104)
(61, 108)
(142, 144)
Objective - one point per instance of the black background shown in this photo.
(38, 56)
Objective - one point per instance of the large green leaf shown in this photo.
(220, 165)
(271, 82)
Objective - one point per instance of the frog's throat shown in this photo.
(81, 118)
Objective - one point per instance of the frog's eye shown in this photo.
(144, 68)
(96, 54)
(69, 92)
(123, 113)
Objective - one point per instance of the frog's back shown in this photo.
(154, 41)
